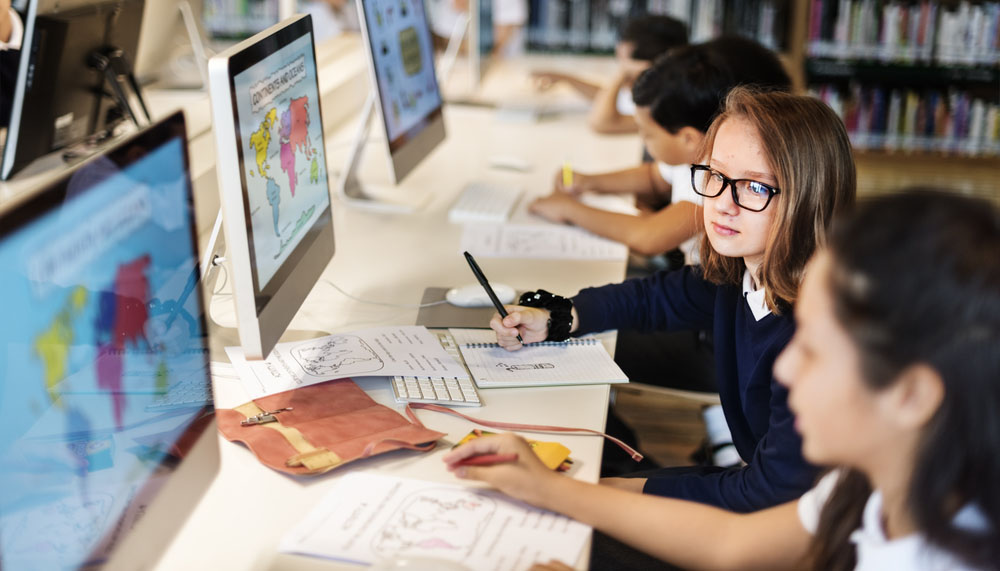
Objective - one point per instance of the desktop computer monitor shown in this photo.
(272, 172)
(59, 97)
(406, 96)
(172, 47)
(401, 59)
(104, 380)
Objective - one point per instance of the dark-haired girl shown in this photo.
(894, 378)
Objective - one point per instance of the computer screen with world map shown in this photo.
(104, 380)
(272, 175)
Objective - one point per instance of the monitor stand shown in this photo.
(350, 189)
(112, 63)
(222, 334)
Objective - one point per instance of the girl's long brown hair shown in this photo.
(807, 148)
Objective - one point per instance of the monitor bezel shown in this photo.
(410, 147)
(262, 314)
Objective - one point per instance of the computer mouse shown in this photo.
(474, 295)
(510, 162)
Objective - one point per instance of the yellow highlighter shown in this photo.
(567, 175)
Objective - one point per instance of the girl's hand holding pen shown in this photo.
(521, 476)
(530, 322)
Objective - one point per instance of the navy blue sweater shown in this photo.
(755, 404)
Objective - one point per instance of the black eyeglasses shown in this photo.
(748, 194)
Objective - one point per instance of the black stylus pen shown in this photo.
(489, 290)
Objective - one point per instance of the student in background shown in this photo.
(640, 41)
(508, 17)
(893, 377)
(331, 17)
(11, 33)
(777, 168)
(676, 100)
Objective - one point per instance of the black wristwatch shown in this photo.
(560, 312)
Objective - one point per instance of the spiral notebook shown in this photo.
(571, 362)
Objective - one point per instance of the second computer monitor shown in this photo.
(397, 40)
(272, 176)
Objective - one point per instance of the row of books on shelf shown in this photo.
(931, 120)
(579, 25)
(238, 18)
(592, 25)
(927, 31)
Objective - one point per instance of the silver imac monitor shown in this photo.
(272, 172)
(406, 96)
(172, 47)
(106, 409)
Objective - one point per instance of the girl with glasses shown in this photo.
(894, 378)
(794, 150)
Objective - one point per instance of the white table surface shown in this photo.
(392, 258)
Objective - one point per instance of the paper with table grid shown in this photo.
(538, 241)
(572, 362)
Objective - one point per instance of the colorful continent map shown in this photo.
(293, 136)
(121, 318)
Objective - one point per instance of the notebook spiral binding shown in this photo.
(538, 344)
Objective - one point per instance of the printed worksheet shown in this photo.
(369, 517)
(538, 241)
(380, 351)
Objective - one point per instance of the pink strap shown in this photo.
(527, 427)
(413, 420)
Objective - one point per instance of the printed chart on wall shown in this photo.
(404, 60)
(369, 517)
(282, 149)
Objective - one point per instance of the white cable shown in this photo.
(225, 276)
(386, 304)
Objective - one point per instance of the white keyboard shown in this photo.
(188, 393)
(438, 390)
(484, 202)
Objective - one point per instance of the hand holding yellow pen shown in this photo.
(567, 175)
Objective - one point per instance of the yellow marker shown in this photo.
(567, 175)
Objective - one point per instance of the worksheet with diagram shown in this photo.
(369, 517)
(409, 350)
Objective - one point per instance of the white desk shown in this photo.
(392, 258)
(389, 258)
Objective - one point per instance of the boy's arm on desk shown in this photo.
(648, 234)
(644, 179)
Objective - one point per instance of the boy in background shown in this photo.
(641, 40)
(675, 100)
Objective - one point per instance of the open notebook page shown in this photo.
(572, 362)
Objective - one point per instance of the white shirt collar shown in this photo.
(16, 33)
(755, 298)
(877, 552)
